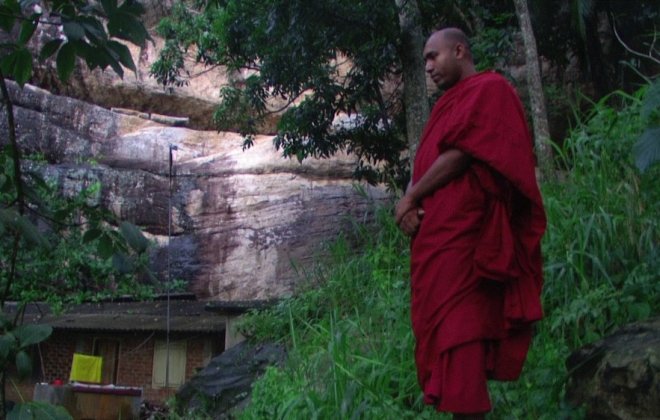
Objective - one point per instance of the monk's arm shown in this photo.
(446, 167)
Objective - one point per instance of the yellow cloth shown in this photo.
(86, 368)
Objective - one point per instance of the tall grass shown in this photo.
(349, 335)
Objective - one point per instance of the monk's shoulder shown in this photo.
(491, 81)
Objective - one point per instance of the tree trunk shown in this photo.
(414, 78)
(535, 88)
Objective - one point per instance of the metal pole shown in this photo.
(172, 147)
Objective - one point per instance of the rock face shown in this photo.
(618, 377)
(239, 218)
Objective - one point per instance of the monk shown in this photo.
(476, 218)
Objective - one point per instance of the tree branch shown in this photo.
(630, 50)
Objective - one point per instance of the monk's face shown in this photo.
(442, 59)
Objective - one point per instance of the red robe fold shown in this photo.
(476, 262)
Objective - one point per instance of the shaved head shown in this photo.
(447, 57)
(454, 36)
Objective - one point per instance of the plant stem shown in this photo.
(11, 127)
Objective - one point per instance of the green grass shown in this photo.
(348, 331)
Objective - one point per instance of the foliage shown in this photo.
(298, 52)
(647, 147)
(76, 248)
(45, 237)
(608, 265)
(577, 26)
(333, 68)
(349, 336)
(83, 34)
(34, 410)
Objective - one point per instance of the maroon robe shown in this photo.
(476, 262)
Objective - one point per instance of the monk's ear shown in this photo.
(460, 50)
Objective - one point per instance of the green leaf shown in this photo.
(122, 263)
(27, 30)
(105, 247)
(37, 410)
(132, 7)
(640, 310)
(125, 26)
(30, 334)
(50, 48)
(30, 232)
(11, 219)
(94, 57)
(23, 364)
(134, 237)
(18, 64)
(91, 235)
(651, 100)
(93, 28)
(109, 6)
(9, 11)
(66, 60)
(73, 30)
(7, 345)
(123, 54)
(113, 61)
(62, 214)
(647, 149)
(8, 216)
(5, 322)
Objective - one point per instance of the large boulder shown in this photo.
(618, 377)
(241, 220)
(226, 382)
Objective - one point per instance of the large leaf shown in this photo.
(50, 48)
(30, 232)
(14, 221)
(93, 28)
(647, 149)
(91, 235)
(27, 29)
(30, 334)
(7, 345)
(105, 246)
(8, 216)
(5, 184)
(18, 64)
(5, 322)
(66, 60)
(123, 54)
(109, 6)
(113, 60)
(134, 237)
(36, 410)
(9, 11)
(122, 263)
(651, 100)
(126, 26)
(73, 30)
(23, 364)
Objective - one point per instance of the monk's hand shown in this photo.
(411, 221)
(404, 205)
